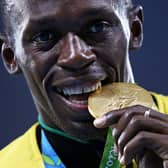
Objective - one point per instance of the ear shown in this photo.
(9, 58)
(136, 18)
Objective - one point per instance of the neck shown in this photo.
(58, 140)
(66, 145)
(59, 132)
(76, 154)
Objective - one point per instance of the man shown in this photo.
(66, 49)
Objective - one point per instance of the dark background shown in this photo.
(150, 68)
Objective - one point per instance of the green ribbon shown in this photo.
(110, 156)
(59, 132)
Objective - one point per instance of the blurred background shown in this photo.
(18, 112)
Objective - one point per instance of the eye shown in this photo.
(43, 37)
(98, 27)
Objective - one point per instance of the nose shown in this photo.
(75, 53)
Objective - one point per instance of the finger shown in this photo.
(165, 163)
(108, 119)
(135, 146)
(149, 160)
(111, 118)
(125, 119)
(132, 111)
(145, 140)
(123, 122)
(158, 115)
(137, 124)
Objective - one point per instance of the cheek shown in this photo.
(114, 50)
(41, 62)
(119, 47)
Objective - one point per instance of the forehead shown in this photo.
(65, 7)
(65, 10)
(34, 8)
(24, 11)
(31, 13)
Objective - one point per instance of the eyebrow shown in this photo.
(50, 21)
(91, 12)
(103, 11)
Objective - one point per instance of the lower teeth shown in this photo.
(83, 102)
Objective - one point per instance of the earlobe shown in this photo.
(136, 26)
(9, 59)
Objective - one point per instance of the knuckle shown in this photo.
(142, 136)
(139, 108)
(135, 122)
(135, 107)
(131, 111)
(108, 115)
(127, 114)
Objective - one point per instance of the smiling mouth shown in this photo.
(78, 94)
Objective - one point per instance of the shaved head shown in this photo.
(7, 7)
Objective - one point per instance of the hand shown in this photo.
(137, 136)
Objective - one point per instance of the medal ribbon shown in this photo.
(50, 157)
(110, 156)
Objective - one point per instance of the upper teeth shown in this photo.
(80, 90)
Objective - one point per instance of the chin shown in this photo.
(87, 132)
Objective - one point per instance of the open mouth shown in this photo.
(78, 94)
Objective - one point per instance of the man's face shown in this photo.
(66, 50)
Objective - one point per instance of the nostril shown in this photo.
(75, 53)
(88, 64)
(77, 62)
(90, 55)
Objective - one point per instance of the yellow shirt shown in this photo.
(24, 151)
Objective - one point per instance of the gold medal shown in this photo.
(116, 96)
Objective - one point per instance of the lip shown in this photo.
(83, 113)
(74, 105)
(79, 101)
(79, 80)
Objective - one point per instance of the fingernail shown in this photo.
(99, 122)
(113, 132)
(122, 160)
(119, 156)
(115, 148)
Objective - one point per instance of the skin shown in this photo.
(72, 56)
(64, 44)
(137, 135)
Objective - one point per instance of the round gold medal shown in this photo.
(116, 96)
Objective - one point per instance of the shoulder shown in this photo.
(22, 152)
